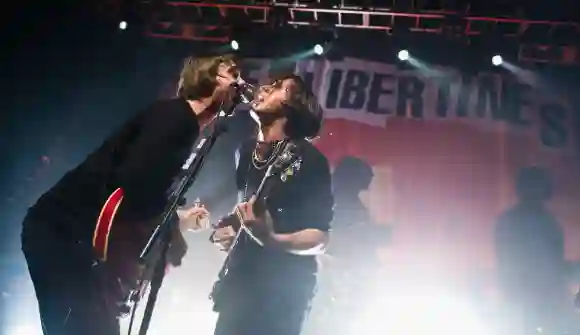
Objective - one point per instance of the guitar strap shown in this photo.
(241, 195)
(243, 156)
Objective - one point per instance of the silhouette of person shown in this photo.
(530, 254)
(351, 176)
(355, 235)
(350, 263)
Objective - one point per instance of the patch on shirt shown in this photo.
(290, 171)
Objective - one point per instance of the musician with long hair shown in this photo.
(267, 288)
(141, 158)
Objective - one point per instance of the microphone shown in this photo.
(244, 95)
(245, 92)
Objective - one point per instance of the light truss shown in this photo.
(203, 21)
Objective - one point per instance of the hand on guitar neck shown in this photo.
(254, 216)
(224, 237)
(261, 226)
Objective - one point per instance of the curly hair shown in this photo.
(306, 114)
(198, 76)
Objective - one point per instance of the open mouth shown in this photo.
(257, 101)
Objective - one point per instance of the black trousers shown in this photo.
(266, 307)
(69, 297)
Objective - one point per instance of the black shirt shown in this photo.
(303, 201)
(142, 158)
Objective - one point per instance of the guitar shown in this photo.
(283, 166)
(117, 246)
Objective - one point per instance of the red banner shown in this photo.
(445, 147)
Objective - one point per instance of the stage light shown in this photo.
(318, 49)
(403, 55)
(234, 44)
(497, 60)
(123, 25)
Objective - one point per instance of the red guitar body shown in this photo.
(105, 224)
(117, 246)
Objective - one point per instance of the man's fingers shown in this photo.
(222, 238)
(202, 211)
(242, 210)
(224, 233)
(197, 211)
(244, 207)
(193, 211)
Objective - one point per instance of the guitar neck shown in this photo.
(259, 207)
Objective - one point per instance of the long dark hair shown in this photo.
(304, 113)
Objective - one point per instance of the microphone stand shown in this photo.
(161, 237)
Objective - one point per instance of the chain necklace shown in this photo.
(260, 163)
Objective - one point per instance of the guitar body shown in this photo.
(105, 224)
(117, 246)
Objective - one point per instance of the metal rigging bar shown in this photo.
(203, 21)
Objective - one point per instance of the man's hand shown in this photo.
(224, 237)
(195, 218)
(262, 226)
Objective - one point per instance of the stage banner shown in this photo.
(444, 147)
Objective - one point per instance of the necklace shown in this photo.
(259, 149)
(260, 163)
